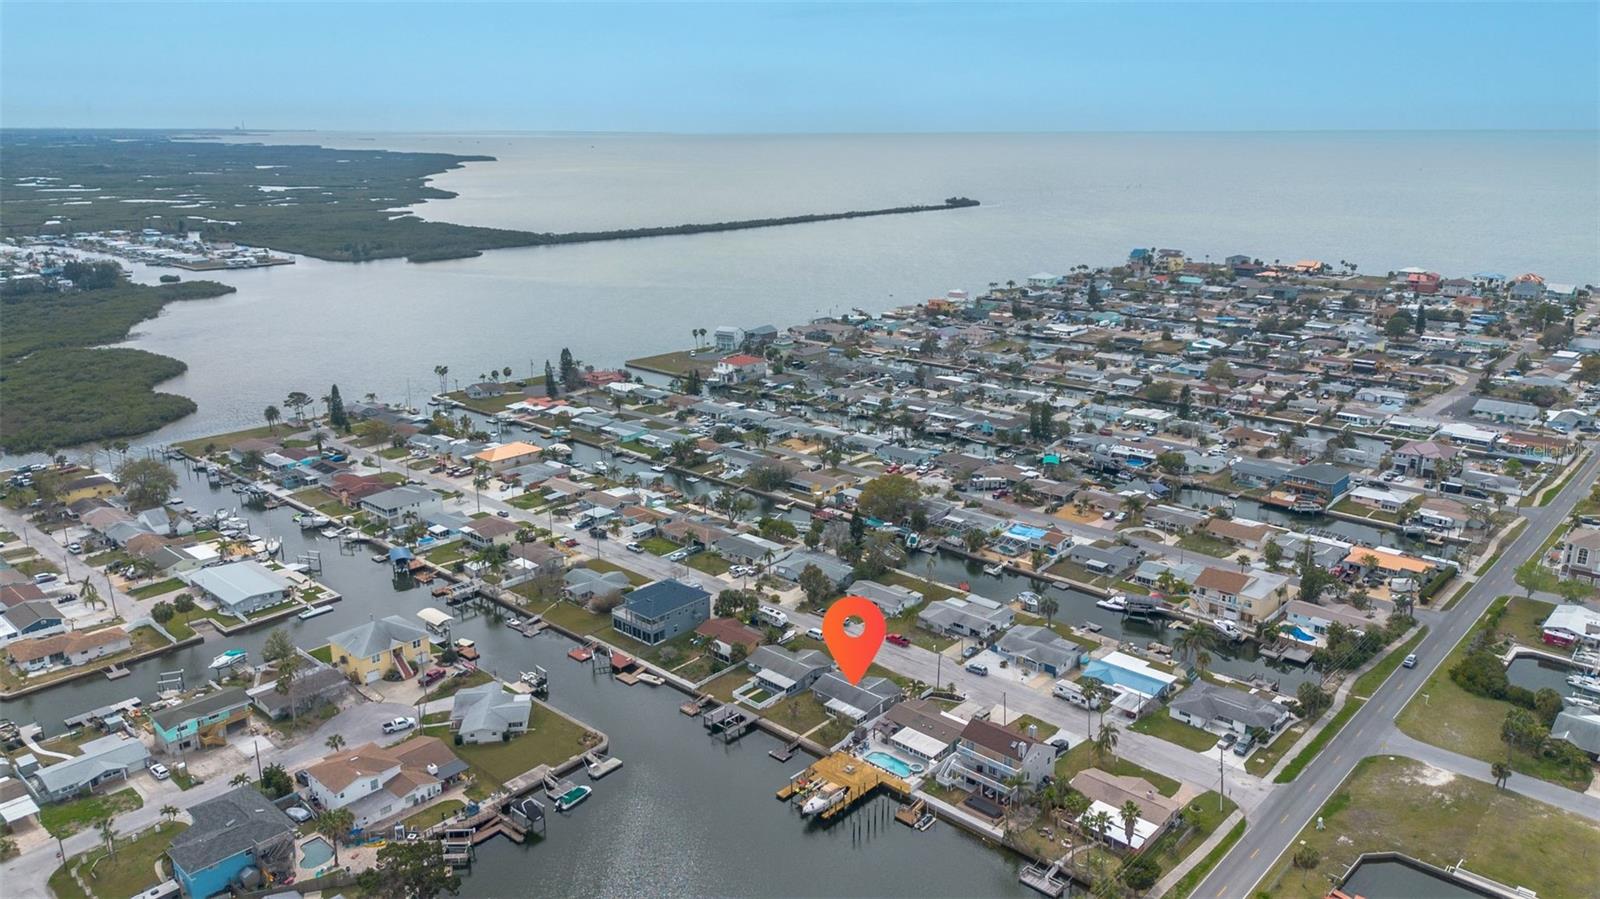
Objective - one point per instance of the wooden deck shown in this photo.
(858, 778)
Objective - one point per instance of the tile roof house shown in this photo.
(376, 782)
(725, 633)
(239, 829)
(489, 713)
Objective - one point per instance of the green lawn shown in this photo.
(132, 870)
(659, 546)
(433, 814)
(1441, 819)
(323, 654)
(1206, 813)
(444, 555)
(931, 591)
(101, 560)
(66, 818)
(321, 500)
(1292, 770)
(550, 740)
(1446, 715)
(709, 563)
(453, 685)
(1189, 881)
(1160, 724)
(601, 565)
(1523, 618)
(1265, 757)
(157, 588)
(1081, 756)
(226, 441)
(1208, 545)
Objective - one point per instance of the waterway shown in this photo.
(1514, 202)
(1386, 879)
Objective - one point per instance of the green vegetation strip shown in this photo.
(1322, 739)
(1505, 541)
(130, 871)
(156, 589)
(66, 818)
(1368, 683)
(1189, 881)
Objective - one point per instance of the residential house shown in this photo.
(31, 618)
(98, 761)
(376, 782)
(1424, 458)
(488, 531)
(584, 584)
(489, 713)
(1247, 596)
(921, 728)
(973, 616)
(991, 756)
(1572, 624)
(1503, 412)
(784, 672)
(374, 650)
(726, 633)
(509, 455)
(892, 600)
(200, 722)
(94, 486)
(240, 588)
(661, 611)
(1108, 560)
(1580, 727)
(316, 684)
(1224, 710)
(35, 654)
(795, 561)
(1109, 793)
(857, 702)
(739, 369)
(394, 506)
(1035, 648)
(238, 831)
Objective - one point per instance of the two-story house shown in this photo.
(661, 611)
(1580, 555)
(238, 830)
(990, 756)
(203, 721)
(395, 505)
(1245, 596)
(739, 368)
(376, 782)
(368, 652)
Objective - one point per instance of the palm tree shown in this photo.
(239, 780)
(1501, 772)
(1099, 824)
(333, 825)
(169, 812)
(1192, 642)
(335, 742)
(1105, 742)
(442, 371)
(1091, 691)
(1130, 816)
(273, 416)
(108, 835)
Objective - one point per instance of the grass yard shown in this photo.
(931, 591)
(1446, 715)
(906, 623)
(709, 563)
(551, 739)
(1189, 881)
(450, 686)
(169, 585)
(1208, 545)
(1160, 724)
(321, 500)
(1081, 756)
(132, 870)
(1441, 819)
(1205, 813)
(453, 551)
(198, 445)
(1522, 619)
(433, 814)
(676, 363)
(1264, 758)
(601, 565)
(323, 654)
(658, 546)
(67, 818)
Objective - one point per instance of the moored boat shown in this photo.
(314, 612)
(1116, 602)
(229, 658)
(572, 798)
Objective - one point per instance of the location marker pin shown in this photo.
(853, 653)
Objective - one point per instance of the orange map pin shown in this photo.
(854, 653)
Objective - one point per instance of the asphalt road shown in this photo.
(1371, 731)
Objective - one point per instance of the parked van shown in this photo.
(773, 616)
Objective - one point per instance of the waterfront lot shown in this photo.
(1448, 716)
(143, 638)
(551, 739)
(1440, 818)
(1082, 756)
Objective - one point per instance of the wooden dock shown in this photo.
(728, 721)
(915, 814)
(842, 771)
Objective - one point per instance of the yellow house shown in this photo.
(509, 455)
(95, 486)
(370, 652)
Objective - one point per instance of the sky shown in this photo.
(784, 68)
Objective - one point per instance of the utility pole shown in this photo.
(1222, 776)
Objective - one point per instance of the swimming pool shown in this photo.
(1302, 636)
(1122, 677)
(317, 852)
(892, 764)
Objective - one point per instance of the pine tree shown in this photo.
(569, 369)
(336, 413)
(1094, 292)
(1422, 318)
(1184, 400)
(691, 384)
(550, 386)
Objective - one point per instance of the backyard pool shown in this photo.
(316, 853)
(892, 764)
(1123, 677)
(1302, 636)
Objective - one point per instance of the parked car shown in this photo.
(899, 640)
(978, 668)
(75, 548)
(160, 771)
(430, 677)
(298, 814)
(568, 542)
(971, 651)
(503, 513)
(1411, 661)
(44, 577)
(814, 633)
(396, 725)
(1228, 739)
(635, 547)
(1242, 747)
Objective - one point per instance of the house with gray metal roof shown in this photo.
(787, 673)
(970, 617)
(1039, 649)
(586, 583)
(858, 702)
(661, 611)
(240, 588)
(1223, 709)
(98, 761)
(486, 713)
(790, 566)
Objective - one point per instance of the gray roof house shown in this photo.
(240, 588)
(1222, 709)
(970, 617)
(483, 714)
(239, 829)
(378, 636)
(1107, 560)
(785, 672)
(1579, 727)
(393, 505)
(1039, 649)
(891, 599)
(858, 702)
(98, 761)
(656, 613)
(790, 566)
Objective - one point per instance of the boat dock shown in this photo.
(599, 767)
(1293, 654)
(114, 672)
(697, 705)
(842, 772)
(582, 653)
(555, 787)
(786, 753)
(105, 711)
(1046, 880)
(915, 814)
(728, 721)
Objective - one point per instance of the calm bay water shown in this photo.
(1455, 202)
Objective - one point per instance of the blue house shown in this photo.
(237, 830)
(661, 611)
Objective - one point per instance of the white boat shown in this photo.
(1585, 682)
(658, 468)
(314, 612)
(274, 546)
(572, 797)
(994, 570)
(654, 680)
(310, 521)
(332, 531)
(1229, 629)
(380, 557)
(692, 479)
(828, 796)
(229, 659)
(1116, 602)
(1582, 702)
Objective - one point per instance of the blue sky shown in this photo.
(800, 67)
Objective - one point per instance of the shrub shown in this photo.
(183, 603)
(1141, 873)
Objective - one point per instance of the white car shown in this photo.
(298, 814)
(814, 633)
(396, 725)
(159, 771)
